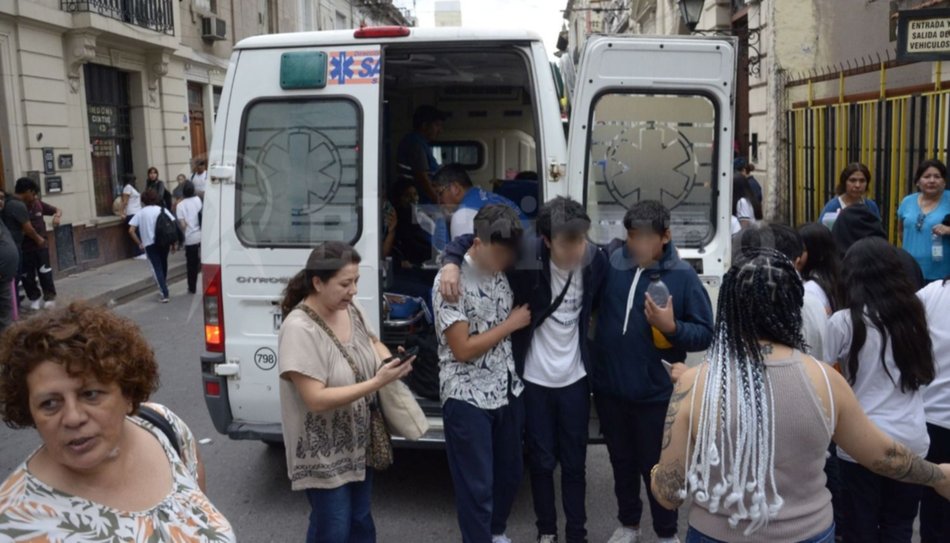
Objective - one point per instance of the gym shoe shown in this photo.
(547, 538)
(163, 299)
(141, 257)
(49, 304)
(500, 539)
(673, 539)
(36, 304)
(625, 535)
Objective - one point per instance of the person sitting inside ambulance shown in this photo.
(415, 160)
(408, 244)
(462, 200)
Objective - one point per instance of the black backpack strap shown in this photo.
(555, 304)
(157, 420)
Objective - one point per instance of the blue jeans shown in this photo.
(695, 536)
(342, 515)
(485, 460)
(556, 422)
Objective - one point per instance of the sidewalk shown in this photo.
(117, 282)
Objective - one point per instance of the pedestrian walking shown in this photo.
(9, 264)
(153, 235)
(747, 431)
(199, 176)
(921, 216)
(110, 467)
(130, 204)
(881, 342)
(329, 376)
(188, 211)
(36, 273)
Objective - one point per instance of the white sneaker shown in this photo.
(547, 538)
(500, 539)
(625, 535)
(674, 539)
(36, 304)
(49, 304)
(141, 257)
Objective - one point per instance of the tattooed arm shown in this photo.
(875, 450)
(667, 477)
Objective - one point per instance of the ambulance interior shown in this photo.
(491, 129)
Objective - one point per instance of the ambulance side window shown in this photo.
(653, 147)
(298, 176)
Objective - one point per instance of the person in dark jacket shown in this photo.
(857, 222)
(156, 184)
(633, 337)
(558, 277)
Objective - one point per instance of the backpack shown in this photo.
(166, 231)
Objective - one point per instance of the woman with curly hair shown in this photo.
(111, 467)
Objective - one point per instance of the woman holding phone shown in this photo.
(331, 366)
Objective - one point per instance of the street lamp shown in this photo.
(691, 10)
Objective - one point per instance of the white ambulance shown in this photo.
(305, 142)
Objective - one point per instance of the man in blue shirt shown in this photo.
(459, 197)
(415, 161)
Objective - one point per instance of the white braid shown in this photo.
(734, 394)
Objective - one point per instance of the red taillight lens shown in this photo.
(212, 388)
(213, 309)
(381, 32)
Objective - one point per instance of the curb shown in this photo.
(176, 272)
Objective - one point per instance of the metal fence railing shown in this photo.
(891, 135)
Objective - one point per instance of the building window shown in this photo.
(298, 178)
(110, 133)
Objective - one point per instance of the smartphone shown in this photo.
(404, 356)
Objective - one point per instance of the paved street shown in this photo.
(247, 480)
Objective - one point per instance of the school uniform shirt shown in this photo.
(134, 205)
(814, 324)
(898, 414)
(484, 303)
(745, 211)
(919, 242)
(200, 180)
(554, 354)
(145, 222)
(936, 300)
(187, 210)
(813, 288)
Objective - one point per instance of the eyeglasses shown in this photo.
(920, 222)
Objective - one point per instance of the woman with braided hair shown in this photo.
(747, 430)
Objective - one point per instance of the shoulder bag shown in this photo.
(379, 451)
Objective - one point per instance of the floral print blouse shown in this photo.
(32, 511)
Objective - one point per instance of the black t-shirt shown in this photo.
(15, 215)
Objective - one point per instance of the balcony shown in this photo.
(154, 15)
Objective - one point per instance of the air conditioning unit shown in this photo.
(213, 28)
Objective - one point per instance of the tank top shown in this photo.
(803, 431)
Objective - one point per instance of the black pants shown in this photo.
(935, 510)
(9, 265)
(634, 433)
(36, 264)
(877, 508)
(193, 264)
(485, 459)
(833, 483)
(556, 421)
